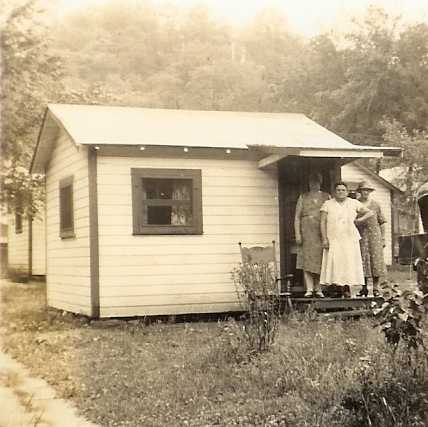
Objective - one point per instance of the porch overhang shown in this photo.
(343, 155)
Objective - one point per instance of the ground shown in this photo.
(130, 373)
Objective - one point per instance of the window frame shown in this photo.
(18, 222)
(66, 233)
(138, 174)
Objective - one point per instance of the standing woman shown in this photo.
(372, 241)
(308, 235)
(341, 262)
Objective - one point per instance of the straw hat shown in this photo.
(364, 185)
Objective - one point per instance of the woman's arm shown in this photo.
(381, 221)
(363, 214)
(382, 233)
(323, 226)
(297, 229)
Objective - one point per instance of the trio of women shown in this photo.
(340, 239)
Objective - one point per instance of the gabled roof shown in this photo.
(106, 125)
(377, 177)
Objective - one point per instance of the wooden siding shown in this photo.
(68, 269)
(172, 274)
(17, 247)
(39, 246)
(352, 173)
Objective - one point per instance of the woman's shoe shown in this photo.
(346, 291)
(364, 292)
(376, 293)
(318, 294)
(308, 294)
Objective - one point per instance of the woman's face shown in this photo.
(341, 192)
(314, 185)
(365, 194)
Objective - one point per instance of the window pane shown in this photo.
(158, 215)
(181, 215)
(182, 189)
(154, 188)
(18, 222)
(166, 189)
(66, 194)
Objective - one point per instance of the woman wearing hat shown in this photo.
(372, 240)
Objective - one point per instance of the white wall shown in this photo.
(17, 247)
(142, 275)
(39, 245)
(68, 270)
(382, 194)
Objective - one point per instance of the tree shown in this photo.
(30, 78)
(33, 75)
(415, 153)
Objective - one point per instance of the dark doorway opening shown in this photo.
(293, 174)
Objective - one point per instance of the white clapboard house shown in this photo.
(145, 207)
(26, 246)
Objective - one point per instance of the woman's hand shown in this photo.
(325, 244)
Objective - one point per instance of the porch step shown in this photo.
(345, 314)
(330, 304)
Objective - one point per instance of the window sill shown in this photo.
(167, 231)
(67, 235)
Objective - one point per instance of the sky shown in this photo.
(306, 17)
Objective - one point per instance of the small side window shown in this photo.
(18, 222)
(66, 214)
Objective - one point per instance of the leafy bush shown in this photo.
(256, 290)
(401, 316)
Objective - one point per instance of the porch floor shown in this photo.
(335, 307)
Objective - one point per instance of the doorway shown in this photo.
(293, 174)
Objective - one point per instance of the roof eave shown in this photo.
(33, 164)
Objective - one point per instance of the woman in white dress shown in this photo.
(341, 263)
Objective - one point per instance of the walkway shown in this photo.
(30, 402)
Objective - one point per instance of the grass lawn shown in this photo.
(196, 374)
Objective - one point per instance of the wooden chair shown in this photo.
(267, 255)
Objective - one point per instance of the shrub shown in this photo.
(401, 316)
(256, 290)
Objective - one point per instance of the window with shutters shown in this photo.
(18, 222)
(167, 201)
(66, 214)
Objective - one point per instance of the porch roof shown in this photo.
(127, 126)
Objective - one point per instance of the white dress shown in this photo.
(341, 263)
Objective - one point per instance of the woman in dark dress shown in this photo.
(308, 234)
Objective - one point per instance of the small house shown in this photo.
(26, 246)
(145, 207)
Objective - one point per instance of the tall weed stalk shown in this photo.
(256, 290)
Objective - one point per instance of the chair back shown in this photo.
(259, 255)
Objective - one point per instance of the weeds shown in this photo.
(388, 391)
(256, 289)
(318, 373)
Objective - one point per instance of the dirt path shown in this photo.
(30, 402)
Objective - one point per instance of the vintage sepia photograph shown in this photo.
(213, 213)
